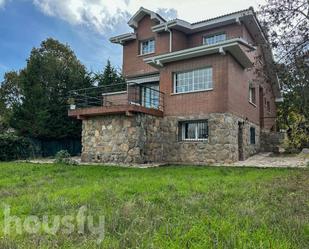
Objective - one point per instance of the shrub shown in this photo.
(64, 157)
(13, 147)
(298, 133)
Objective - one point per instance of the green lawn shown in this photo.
(169, 207)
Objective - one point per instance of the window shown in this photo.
(147, 47)
(268, 106)
(252, 97)
(150, 95)
(193, 130)
(196, 80)
(209, 40)
(252, 135)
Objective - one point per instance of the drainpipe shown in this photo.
(171, 36)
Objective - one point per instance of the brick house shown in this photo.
(192, 93)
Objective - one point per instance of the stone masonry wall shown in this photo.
(222, 145)
(113, 138)
(143, 138)
(272, 141)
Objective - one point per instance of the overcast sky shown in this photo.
(86, 25)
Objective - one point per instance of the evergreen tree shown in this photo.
(109, 77)
(9, 96)
(51, 71)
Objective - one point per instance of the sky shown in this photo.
(87, 25)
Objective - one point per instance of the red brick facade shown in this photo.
(231, 81)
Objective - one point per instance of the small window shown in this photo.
(252, 96)
(252, 135)
(147, 47)
(192, 81)
(193, 130)
(268, 106)
(209, 40)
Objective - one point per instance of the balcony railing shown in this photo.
(116, 95)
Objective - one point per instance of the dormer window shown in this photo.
(213, 39)
(147, 47)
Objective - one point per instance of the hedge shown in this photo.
(13, 147)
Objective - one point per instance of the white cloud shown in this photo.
(98, 14)
(104, 15)
(2, 3)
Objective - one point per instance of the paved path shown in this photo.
(262, 160)
(271, 160)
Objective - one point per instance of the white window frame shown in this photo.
(195, 122)
(251, 89)
(176, 74)
(215, 38)
(149, 52)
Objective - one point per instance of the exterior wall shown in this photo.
(238, 93)
(180, 40)
(246, 35)
(232, 31)
(142, 138)
(133, 63)
(120, 98)
(231, 81)
(112, 138)
(269, 116)
(272, 141)
(222, 145)
(197, 102)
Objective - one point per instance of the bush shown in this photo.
(64, 157)
(13, 147)
(298, 133)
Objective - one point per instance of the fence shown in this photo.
(50, 147)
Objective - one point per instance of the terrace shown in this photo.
(122, 98)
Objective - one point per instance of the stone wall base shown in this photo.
(272, 141)
(142, 138)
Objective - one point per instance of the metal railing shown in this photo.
(116, 95)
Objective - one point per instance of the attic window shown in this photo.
(147, 47)
(213, 39)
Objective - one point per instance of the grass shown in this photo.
(170, 207)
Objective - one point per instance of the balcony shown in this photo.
(125, 99)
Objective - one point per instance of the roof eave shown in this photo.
(133, 22)
(231, 46)
(207, 24)
(121, 39)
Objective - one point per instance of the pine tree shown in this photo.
(111, 78)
